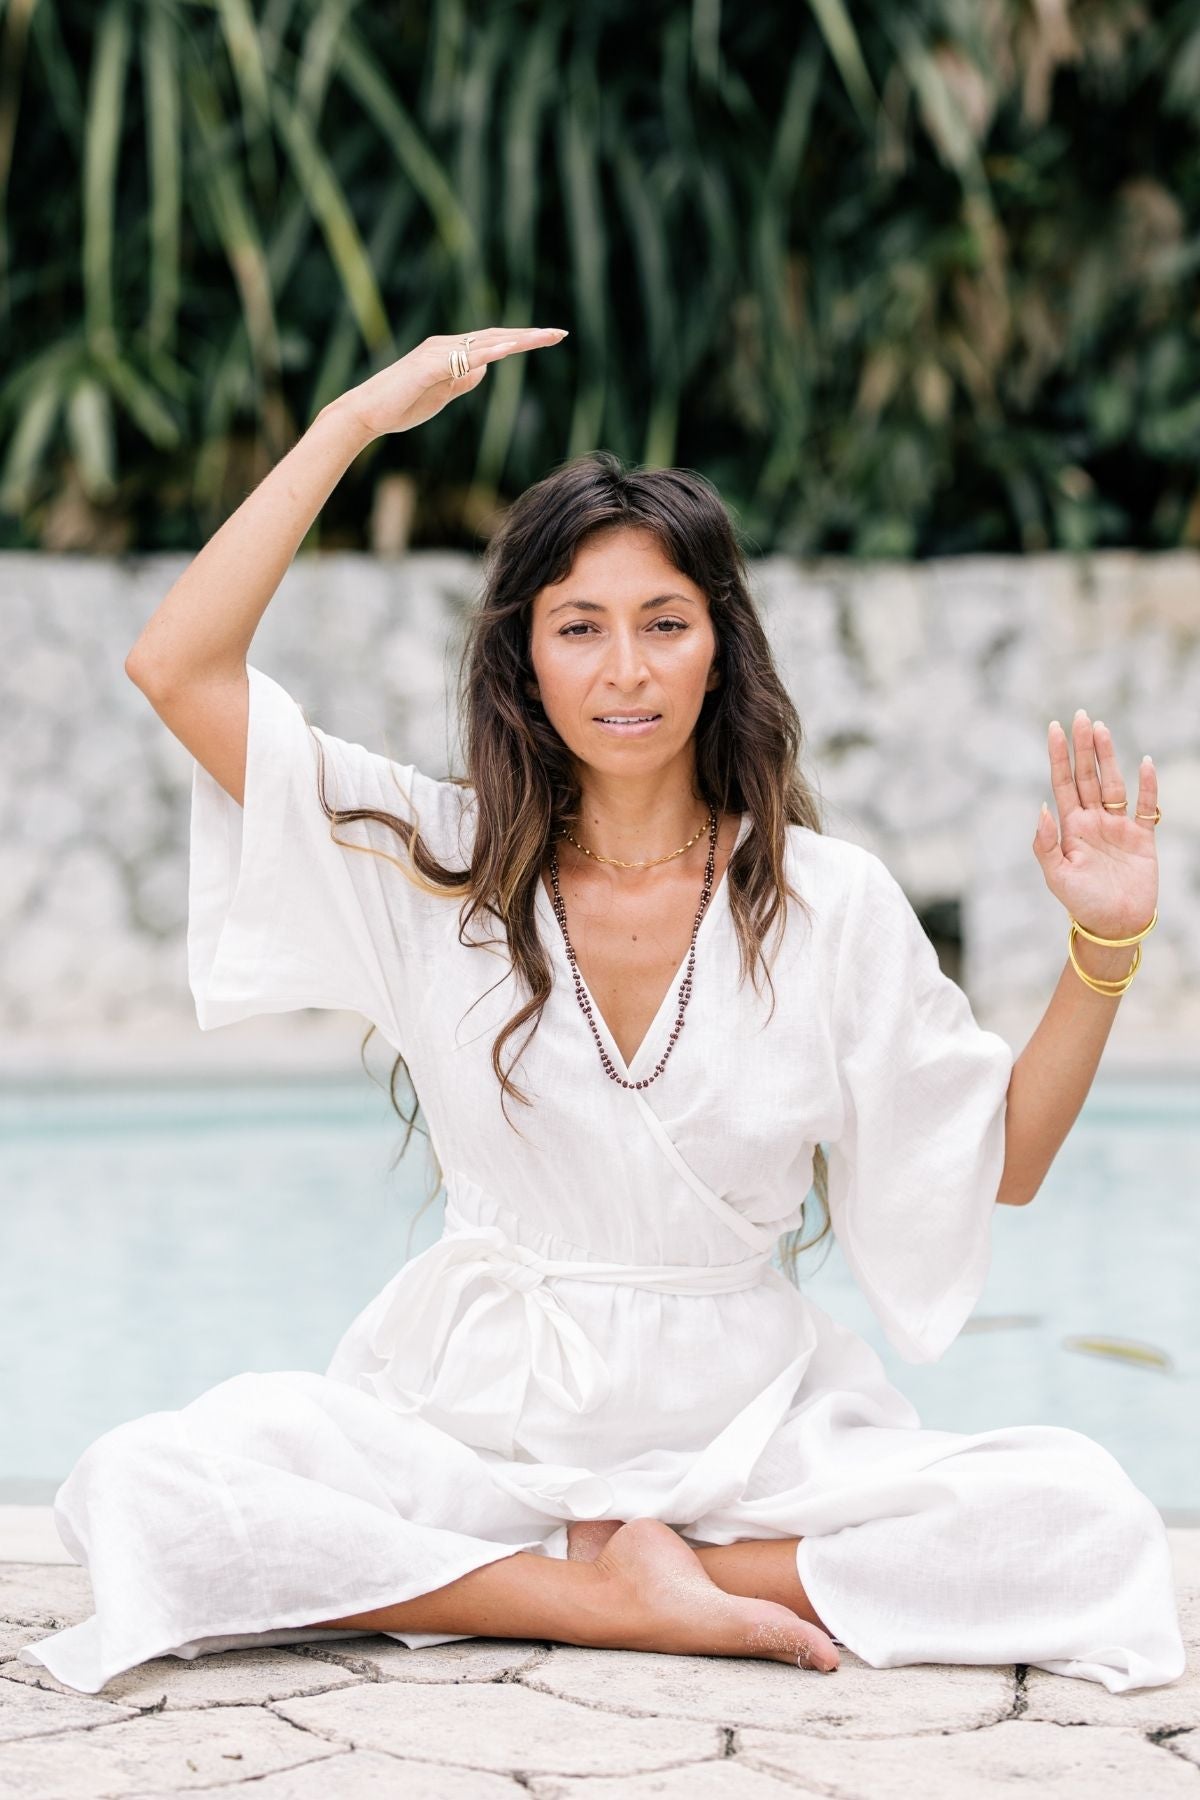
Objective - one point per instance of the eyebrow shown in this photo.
(595, 606)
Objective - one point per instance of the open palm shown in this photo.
(415, 387)
(1103, 862)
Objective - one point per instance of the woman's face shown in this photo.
(624, 631)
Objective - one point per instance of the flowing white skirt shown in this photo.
(275, 1500)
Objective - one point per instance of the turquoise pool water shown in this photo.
(155, 1240)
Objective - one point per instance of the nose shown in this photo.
(626, 663)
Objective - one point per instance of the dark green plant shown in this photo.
(903, 280)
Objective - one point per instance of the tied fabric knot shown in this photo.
(516, 1264)
(428, 1322)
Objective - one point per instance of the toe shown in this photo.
(782, 1635)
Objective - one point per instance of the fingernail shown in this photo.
(1099, 724)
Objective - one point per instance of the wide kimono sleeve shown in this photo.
(914, 1171)
(280, 915)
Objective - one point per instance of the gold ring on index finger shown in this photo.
(460, 360)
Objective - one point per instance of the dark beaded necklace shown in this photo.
(685, 986)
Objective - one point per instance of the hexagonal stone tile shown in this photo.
(1185, 1555)
(1017, 1757)
(13, 1636)
(1189, 1617)
(1185, 1744)
(1185, 1559)
(365, 1775)
(49, 1594)
(727, 1779)
(475, 1659)
(225, 1678)
(172, 1751)
(500, 1726)
(855, 1701)
(27, 1712)
(1066, 1700)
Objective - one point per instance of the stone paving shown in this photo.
(351, 1719)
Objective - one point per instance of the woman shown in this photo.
(592, 1412)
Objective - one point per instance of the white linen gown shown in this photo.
(598, 1333)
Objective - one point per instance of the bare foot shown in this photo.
(586, 1538)
(667, 1601)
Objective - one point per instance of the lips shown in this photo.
(629, 725)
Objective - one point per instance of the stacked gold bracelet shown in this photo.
(1109, 987)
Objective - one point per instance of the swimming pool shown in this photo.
(155, 1239)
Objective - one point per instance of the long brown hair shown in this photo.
(747, 737)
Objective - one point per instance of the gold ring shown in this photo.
(1111, 803)
(1153, 817)
(460, 360)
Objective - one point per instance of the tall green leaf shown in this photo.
(105, 117)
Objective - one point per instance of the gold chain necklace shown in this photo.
(650, 863)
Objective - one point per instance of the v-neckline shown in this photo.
(718, 895)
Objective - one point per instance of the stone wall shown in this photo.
(925, 691)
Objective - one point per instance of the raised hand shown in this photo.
(1104, 866)
(418, 385)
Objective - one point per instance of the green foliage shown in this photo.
(903, 280)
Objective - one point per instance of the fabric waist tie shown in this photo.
(427, 1325)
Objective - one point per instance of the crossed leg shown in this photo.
(758, 1568)
(643, 1589)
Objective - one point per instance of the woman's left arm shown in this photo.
(1104, 869)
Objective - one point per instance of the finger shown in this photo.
(1046, 846)
(1147, 792)
(493, 352)
(1112, 782)
(1066, 796)
(491, 333)
(501, 337)
(1086, 779)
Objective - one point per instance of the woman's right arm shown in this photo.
(204, 626)
(190, 660)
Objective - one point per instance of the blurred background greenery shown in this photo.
(904, 280)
